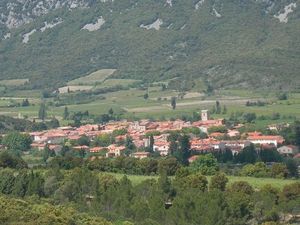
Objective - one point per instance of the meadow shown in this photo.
(254, 182)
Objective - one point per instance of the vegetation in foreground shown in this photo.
(81, 196)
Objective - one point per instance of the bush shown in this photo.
(218, 182)
(241, 187)
(257, 170)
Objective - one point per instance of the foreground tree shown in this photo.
(218, 182)
(205, 164)
(17, 142)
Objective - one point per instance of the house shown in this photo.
(97, 149)
(54, 137)
(297, 156)
(139, 126)
(114, 151)
(162, 147)
(56, 148)
(193, 158)
(204, 145)
(264, 139)
(82, 147)
(233, 133)
(288, 150)
(216, 135)
(74, 137)
(39, 146)
(208, 123)
(141, 155)
(37, 136)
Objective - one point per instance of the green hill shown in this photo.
(229, 43)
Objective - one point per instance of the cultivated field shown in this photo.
(132, 104)
(74, 88)
(96, 77)
(14, 82)
(114, 82)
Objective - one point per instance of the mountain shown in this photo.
(225, 43)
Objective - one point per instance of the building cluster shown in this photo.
(138, 130)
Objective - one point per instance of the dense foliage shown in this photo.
(188, 199)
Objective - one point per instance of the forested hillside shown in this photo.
(227, 43)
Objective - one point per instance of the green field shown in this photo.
(95, 77)
(14, 82)
(114, 82)
(255, 182)
(132, 104)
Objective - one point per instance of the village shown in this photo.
(146, 134)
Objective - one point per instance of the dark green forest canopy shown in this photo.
(81, 196)
(226, 43)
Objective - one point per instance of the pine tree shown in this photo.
(224, 109)
(42, 112)
(66, 113)
(173, 103)
(218, 107)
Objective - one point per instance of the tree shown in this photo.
(17, 142)
(7, 181)
(241, 187)
(247, 155)
(224, 109)
(103, 140)
(53, 123)
(66, 113)
(197, 181)
(25, 103)
(130, 147)
(35, 184)
(297, 133)
(291, 191)
(218, 107)
(164, 182)
(83, 140)
(259, 169)
(151, 143)
(42, 112)
(292, 167)
(205, 164)
(184, 150)
(270, 155)
(170, 165)
(282, 96)
(249, 117)
(279, 170)
(146, 96)
(11, 161)
(218, 182)
(173, 102)
(111, 112)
